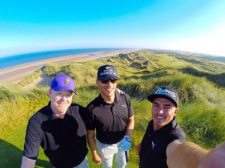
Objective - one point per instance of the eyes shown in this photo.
(164, 107)
(64, 94)
(106, 81)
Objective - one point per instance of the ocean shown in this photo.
(15, 60)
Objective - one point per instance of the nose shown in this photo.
(160, 110)
(63, 97)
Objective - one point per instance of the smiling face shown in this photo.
(60, 101)
(107, 88)
(163, 112)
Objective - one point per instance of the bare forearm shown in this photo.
(184, 155)
(130, 126)
(91, 140)
(92, 145)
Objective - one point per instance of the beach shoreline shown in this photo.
(15, 74)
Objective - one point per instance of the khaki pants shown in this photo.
(107, 153)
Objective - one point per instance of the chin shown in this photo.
(62, 111)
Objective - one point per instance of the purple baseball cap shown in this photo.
(63, 82)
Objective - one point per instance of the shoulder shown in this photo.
(35, 123)
(121, 93)
(76, 110)
(95, 102)
(40, 116)
(176, 133)
(76, 107)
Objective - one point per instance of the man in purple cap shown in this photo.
(110, 121)
(162, 130)
(58, 128)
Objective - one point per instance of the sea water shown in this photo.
(15, 60)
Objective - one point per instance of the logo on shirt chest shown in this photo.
(153, 145)
(124, 105)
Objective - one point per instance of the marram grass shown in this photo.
(201, 99)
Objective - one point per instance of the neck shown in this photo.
(156, 128)
(108, 99)
(58, 115)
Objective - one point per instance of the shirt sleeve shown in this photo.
(130, 109)
(177, 134)
(32, 139)
(90, 120)
(83, 113)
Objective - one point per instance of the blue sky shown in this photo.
(189, 25)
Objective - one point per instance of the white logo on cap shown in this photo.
(165, 92)
(108, 71)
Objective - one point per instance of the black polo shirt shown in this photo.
(109, 120)
(154, 144)
(63, 140)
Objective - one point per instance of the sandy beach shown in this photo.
(15, 74)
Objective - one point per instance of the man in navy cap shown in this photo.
(110, 121)
(162, 130)
(58, 128)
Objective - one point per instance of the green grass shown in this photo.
(201, 100)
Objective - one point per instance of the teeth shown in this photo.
(159, 117)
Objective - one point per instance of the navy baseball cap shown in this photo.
(63, 82)
(107, 72)
(164, 92)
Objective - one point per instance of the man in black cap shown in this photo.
(162, 130)
(110, 121)
(58, 128)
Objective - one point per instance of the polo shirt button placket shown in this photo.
(113, 110)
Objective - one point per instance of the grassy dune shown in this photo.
(198, 81)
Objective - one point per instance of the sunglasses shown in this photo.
(106, 81)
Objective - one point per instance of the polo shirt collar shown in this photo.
(166, 128)
(117, 98)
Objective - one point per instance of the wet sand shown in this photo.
(14, 74)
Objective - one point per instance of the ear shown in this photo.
(97, 82)
(49, 92)
(177, 110)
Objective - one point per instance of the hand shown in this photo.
(125, 143)
(96, 158)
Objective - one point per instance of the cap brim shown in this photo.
(108, 78)
(152, 97)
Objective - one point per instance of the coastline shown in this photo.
(15, 74)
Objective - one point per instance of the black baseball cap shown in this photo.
(164, 92)
(107, 72)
